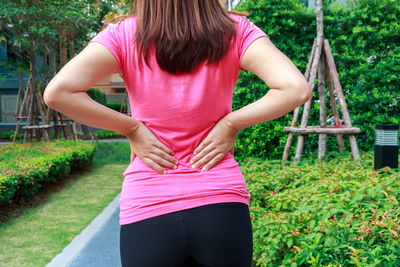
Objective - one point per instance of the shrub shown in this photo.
(362, 37)
(97, 95)
(329, 213)
(115, 106)
(108, 134)
(10, 135)
(24, 168)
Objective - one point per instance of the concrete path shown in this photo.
(97, 245)
(4, 143)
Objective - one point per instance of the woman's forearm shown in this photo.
(274, 104)
(78, 106)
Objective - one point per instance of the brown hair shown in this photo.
(184, 33)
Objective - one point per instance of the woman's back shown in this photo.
(180, 109)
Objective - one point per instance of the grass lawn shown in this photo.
(40, 229)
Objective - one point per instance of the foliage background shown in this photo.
(364, 36)
(332, 212)
(35, 27)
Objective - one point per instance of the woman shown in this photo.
(184, 200)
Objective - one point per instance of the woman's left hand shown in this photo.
(219, 141)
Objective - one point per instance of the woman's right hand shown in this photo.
(145, 145)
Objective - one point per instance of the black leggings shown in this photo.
(214, 235)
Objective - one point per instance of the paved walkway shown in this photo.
(97, 245)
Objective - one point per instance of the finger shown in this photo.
(206, 150)
(213, 161)
(162, 154)
(164, 148)
(162, 162)
(202, 145)
(205, 159)
(149, 162)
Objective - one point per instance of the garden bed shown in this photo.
(329, 213)
(24, 168)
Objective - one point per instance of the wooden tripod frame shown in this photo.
(125, 104)
(32, 117)
(321, 62)
(35, 102)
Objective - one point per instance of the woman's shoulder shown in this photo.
(238, 18)
(241, 21)
(122, 23)
(128, 20)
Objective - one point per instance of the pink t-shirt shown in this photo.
(180, 110)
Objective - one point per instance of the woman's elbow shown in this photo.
(303, 91)
(49, 96)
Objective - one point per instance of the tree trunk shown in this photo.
(63, 47)
(77, 127)
(63, 61)
(52, 62)
(37, 99)
(71, 43)
(20, 91)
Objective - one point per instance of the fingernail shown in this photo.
(175, 167)
(164, 172)
(194, 166)
(204, 169)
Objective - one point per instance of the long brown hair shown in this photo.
(185, 33)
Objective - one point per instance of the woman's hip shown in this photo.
(217, 234)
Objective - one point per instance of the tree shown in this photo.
(52, 30)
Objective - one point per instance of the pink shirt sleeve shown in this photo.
(249, 32)
(111, 39)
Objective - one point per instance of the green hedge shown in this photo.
(97, 95)
(10, 135)
(329, 213)
(364, 37)
(24, 168)
(108, 134)
(115, 106)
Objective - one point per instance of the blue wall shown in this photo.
(11, 78)
(3, 56)
(9, 84)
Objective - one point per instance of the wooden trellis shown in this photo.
(31, 115)
(125, 104)
(32, 119)
(321, 62)
(60, 122)
(36, 112)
